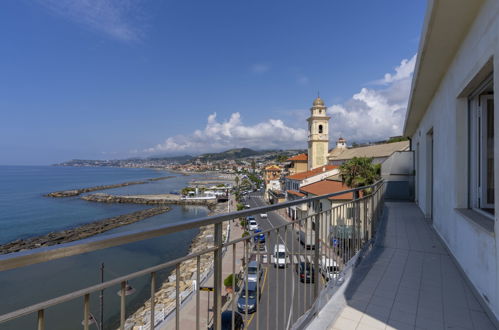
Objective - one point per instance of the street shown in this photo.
(284, 297)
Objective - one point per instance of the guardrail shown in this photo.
(315, 249)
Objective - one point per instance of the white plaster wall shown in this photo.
(476, 250)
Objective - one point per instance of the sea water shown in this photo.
(25, 212)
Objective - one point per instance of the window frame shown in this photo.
(477, 139)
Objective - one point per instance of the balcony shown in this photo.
(408, 281)
(361, 264)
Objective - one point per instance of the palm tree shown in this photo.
(360, 172)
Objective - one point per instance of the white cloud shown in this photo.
(260, 68)
(112, 17)
(232, 133)
(375, 113)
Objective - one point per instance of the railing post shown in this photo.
(41, 319)
(316, 251)
(153, 291)
(217, 275)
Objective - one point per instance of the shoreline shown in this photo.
(164, 298)
(81, 232)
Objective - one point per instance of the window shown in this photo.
(320, 129)
(482, 149)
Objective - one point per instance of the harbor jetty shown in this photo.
(81, 232)
(76, 192)
(159, 199)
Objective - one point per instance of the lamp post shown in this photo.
(91, 319)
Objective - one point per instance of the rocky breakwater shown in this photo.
(81, 232)
(164, 299)
(148, 199)
(76, 192)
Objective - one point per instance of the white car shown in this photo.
(328, 268)
(263, 215)
(252, 225)
(279, 258)
(247, 206)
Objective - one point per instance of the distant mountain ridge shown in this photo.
(232, 154)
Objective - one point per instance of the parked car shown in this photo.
(279, 258)
(263, 215)
(260, 237)
(248, 303)
(261, 249)
(227, 321)
(329, 268)
(252, 225)
(255, 271)
(247, 206)
(250, 217)
(305, 271)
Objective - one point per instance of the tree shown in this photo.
(281, 158)
(359, 172)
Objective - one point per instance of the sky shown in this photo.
(113, 79)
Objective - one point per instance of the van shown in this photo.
(307, 240)
(279, 258)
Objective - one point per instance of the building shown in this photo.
(378, 152)
(451, 121)
(293, 183)
(271, 179)
(318, 135)
(298, 164)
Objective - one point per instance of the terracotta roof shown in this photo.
(315, 171)
(327, 187)
(272, 167)
(296, 193)
(299, 157)
(377, 150)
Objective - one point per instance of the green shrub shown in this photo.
(229, 281)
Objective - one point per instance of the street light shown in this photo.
(128, 290)
(91, 320)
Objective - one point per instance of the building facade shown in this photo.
(451, 120)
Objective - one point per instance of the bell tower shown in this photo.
(318, 135)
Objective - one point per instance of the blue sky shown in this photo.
(113, 79)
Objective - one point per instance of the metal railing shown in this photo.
(316, 246)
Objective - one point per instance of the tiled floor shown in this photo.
(409, 282)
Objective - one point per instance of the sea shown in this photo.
(26, 212)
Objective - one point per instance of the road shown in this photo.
(284, 297)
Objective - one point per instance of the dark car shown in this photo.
(259, 238)
(247, 302)
(306, 271)
(227, 321)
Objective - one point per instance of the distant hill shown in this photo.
(175, 159)
(232, 154)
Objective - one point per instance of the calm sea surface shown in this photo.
(24, 212)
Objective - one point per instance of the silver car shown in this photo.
(254, 271)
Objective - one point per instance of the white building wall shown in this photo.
(476, 250)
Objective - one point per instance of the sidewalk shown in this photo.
(408, 282)
(188, 311)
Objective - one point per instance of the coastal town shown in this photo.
(226, 165)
